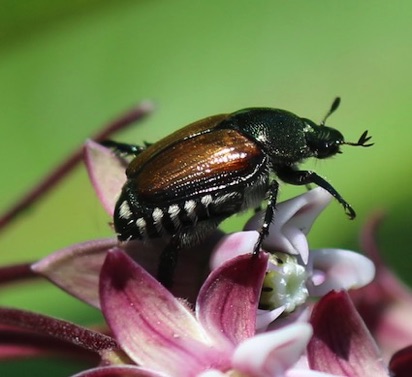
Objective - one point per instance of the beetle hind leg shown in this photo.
(168, 261)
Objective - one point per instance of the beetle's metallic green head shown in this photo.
(325, 141)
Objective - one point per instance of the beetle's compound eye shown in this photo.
(326, 149)
(324, 141)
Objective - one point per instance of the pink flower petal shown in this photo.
(212, 373)
(308, 373)
(119, 371)
(341, 343)
(228, 300)
(293, 220)
(76, 268)
(148, 321)
(386, 303)
(401, 363)
(339, 269)
(272, 353)
(233, 245)
(106, 172)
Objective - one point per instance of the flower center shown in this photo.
(284, 283)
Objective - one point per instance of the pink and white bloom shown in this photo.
(295, 273)
(163, 336)
(160, 335)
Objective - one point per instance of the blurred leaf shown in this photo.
(18, 19)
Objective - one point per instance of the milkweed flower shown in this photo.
(295, 273)
(161, 334)
(299, 274)
(157, 334)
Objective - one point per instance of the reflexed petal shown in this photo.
(227, 302)
(76, 268)
(337, 269)
(300, 315)
(293, 220)
(341, 343)
(23, 333)
(17, 343)
(272, 353)
(231, 246)
(106, 172)
(149, 321)
(119, 371)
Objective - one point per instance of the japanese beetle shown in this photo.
(183, 186)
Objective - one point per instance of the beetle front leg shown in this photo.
(305, 177)
(269, 214)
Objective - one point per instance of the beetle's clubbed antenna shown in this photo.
(362, 141)
(333, 108)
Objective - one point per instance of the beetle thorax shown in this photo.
(279, 133)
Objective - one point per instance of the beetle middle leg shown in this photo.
(305, 177)
(269, 214)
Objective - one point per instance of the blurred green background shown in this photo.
(66, 68)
